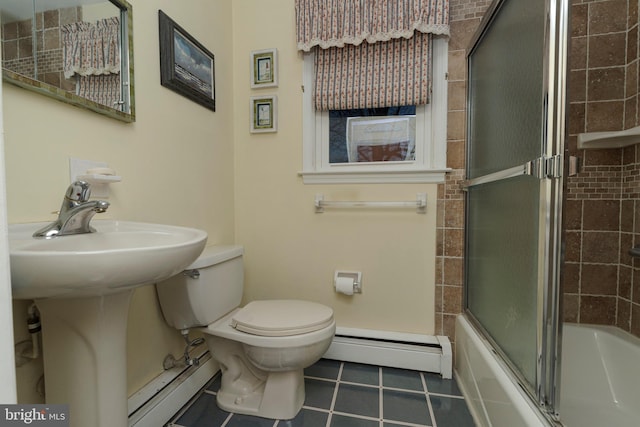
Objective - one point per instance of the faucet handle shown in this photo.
(78, 191)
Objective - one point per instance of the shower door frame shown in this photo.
(550, 170)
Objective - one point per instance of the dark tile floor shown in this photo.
(351, 395)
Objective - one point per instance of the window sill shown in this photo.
(426, 176)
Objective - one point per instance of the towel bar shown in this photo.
(420, 204)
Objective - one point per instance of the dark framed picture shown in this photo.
(186, 66)
(264, 114)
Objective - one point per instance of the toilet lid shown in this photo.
(280, 318)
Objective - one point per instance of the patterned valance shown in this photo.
(103, 89)
(384, 74)
(335, 23)
(370, 53)
(91, 49)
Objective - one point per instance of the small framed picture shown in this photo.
(264, 68)
(264, 114)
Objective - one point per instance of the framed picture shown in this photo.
(264, 68)
(264, 114)
(186, 66)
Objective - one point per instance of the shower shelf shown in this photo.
(635, 251)
(604, 140)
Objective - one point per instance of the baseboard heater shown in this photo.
(165, 395)
(394, 349)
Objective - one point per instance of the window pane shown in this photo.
(372, 135)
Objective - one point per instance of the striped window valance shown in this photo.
(371, 53)
(384, 74)
(91, 49)
(103, 89)
(335, 23)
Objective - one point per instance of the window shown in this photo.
(403, 144)
(372, 135)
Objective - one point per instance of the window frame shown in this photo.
(431, 136)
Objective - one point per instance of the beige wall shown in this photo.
(182, 164)
(176, 161)
(290, 250)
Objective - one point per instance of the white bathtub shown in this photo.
(600, 377)
(600, 380)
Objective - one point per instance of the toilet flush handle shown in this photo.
(194, 274)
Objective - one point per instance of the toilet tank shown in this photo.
(206, 290)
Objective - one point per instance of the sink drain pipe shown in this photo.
(28, 350)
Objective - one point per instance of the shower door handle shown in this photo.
(541, 168)
(544, 167)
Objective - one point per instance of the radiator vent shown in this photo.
(398, 350)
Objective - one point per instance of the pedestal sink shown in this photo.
(82, 285)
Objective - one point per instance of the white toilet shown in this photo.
(262, 348)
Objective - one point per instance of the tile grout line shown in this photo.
(381, 397)
(428, 397)
(451, 396)
(335, 395)
(226, 421)
(357, 416)
(331, 380)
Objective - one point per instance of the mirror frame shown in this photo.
(126, 34)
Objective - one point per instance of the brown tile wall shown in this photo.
(460, 10)
(465, 19)
(17, 46)
(604, 64)
(601, 220)
(601, 281)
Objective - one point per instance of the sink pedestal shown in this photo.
(85, 357)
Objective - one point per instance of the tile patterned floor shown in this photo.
(343, 394)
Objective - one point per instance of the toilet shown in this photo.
(262, 348)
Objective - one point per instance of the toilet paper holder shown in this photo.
(356, 276)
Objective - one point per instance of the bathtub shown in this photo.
(600, 377)
(600, 380)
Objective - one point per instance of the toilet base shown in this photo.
(246, 389)
(280, 397)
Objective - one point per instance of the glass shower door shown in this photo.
(514, 186)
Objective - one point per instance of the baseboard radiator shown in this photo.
(394, 349)
(158, 401)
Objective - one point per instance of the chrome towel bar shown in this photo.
(420, 204)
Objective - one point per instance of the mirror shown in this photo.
(77, 51)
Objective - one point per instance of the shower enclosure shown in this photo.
(515, 173)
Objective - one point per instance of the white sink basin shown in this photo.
(82, 285)
(118, 256)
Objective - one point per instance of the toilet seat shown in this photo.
(281, 318)
(222, 328)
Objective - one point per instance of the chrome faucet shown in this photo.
(75, 213)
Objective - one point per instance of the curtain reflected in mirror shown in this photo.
(91, 59)
(75, 46)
